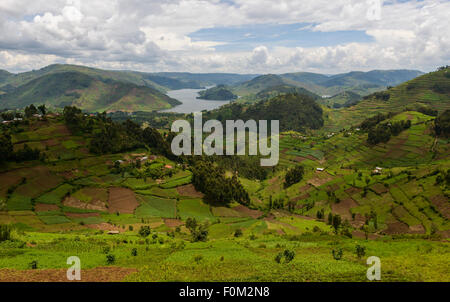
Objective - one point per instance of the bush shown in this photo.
(5, 232)
(198, 258)
(134, 252)
(200, 233)
(33, 264)
(238, 233)
(288, 256)
(110, 259)
(144, 231)
(337, 254)
(360, 251)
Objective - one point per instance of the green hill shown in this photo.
(218, 93)
(4, 75)
(342, 99)
(360, 83)
(284, 89)
(371, 78)
(208, 79)
(138, 78)
(71, 198)
(429, 90)
(87, 92)
(294, 111)
(258, 84)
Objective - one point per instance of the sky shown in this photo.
(239, 36)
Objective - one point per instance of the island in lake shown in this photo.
(218, 93)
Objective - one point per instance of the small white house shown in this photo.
(320, 169)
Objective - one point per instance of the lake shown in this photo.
(190, 102)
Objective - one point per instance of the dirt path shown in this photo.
(99, 274)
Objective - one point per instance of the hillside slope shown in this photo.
(429, 90)
(218, 93)
(294, 112)
(87, 92)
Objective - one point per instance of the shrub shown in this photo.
(144, 231)
(110, 259)
(198, 258)
(238, 233)
(288, 256)
(337, 254)
(360, 251)
(200, 233)
(5, 232)
(33, 264)
(134, 252)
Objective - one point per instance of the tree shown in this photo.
(287, 255)
(336, 222)
(211, 180)
(191, 224)
(5, 232)
(134, 252)
(30, 110)
(442, 124)
(294, 175)
(6, 148)
(337, 254)
(144, 231)
(110, 259)
(42, 109)
(199, 232)
(360, 251)
(7, 116)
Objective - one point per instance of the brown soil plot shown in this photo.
(122, 200)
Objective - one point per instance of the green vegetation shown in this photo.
(87, 92)
(113, 193)
(294, 111)
(218, 93)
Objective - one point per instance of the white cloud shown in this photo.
(153, 35)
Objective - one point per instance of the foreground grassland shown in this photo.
(66, 204)
(225, 258)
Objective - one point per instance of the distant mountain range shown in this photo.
(97, 90)
(354, 83)
(431, 90)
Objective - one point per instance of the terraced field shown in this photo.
(70, 201)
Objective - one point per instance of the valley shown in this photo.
(370, 178)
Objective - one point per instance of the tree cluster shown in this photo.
(293, 176)
(442, 124)
(383, 132)
(211, 180)
(199, 232)
(294, 111)
(7, 151)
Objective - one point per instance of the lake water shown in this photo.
(190, 102)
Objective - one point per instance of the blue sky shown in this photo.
(245, 38)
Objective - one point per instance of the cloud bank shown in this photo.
(158, 35)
